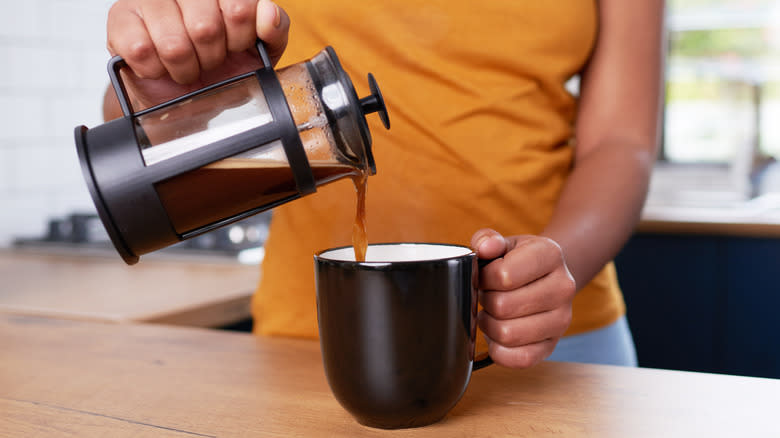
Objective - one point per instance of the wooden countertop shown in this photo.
(84, 379)
(200, 293)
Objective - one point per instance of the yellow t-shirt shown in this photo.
(481, 136)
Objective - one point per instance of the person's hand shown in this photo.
(526, 294)
(177, 46)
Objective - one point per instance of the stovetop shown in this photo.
(84, 233)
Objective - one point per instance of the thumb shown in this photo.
(489, 244)
(273, 26)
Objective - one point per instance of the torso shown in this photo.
(481, 135)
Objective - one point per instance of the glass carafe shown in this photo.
(225, 152)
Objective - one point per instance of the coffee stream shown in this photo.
(359, 238)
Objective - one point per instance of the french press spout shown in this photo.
(225, 152)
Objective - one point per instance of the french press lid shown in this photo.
(346, 112)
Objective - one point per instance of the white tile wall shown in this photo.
(52, 78)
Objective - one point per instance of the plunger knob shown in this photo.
(374, 103)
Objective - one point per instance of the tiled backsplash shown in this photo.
(52, 78)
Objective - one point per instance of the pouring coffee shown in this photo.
(228, 151)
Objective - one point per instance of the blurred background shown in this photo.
(699, 275)
(719, 144)
(722, 79)
(722, 94)
(52, 79)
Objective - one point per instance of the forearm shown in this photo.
(600, 205)
(617, 132)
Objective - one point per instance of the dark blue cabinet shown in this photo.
(704, 303)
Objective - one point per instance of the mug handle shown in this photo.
(116, 63)
(486, 360)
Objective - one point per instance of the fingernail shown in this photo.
(480, 242)
(271, 10)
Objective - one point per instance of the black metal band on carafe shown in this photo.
(123, 187)
(291, 140)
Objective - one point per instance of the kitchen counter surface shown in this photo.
(80, 378)
(203, 292)
(702, 199)
(708, 220)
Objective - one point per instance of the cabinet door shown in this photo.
(752, 342)
(675, 288)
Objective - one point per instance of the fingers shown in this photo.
(239, 17)
(171, 40)
(545, 294)
(526, 295)
(206, 29)
(527, 259)
(521, 357)
(273, 26)
(128, 37)
(523, 340)
(488, 244)
(184, 38)
(527, 330)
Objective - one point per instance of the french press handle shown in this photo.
(116, 63)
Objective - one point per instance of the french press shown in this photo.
(225, 152)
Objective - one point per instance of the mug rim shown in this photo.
(379, 264)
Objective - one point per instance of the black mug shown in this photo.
(397, 331)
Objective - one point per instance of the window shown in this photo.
(723, 81)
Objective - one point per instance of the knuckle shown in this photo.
(496, 305)
(552, 251)
(505, 278)
(571, 287)
(206, 31)
(563, 316)
(239, 12)
(504, 334)
(174, 50)
(138, 53)
(567, 285)
(550, 244)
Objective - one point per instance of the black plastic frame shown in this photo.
(123, 188)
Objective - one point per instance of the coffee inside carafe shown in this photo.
(260, 176)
